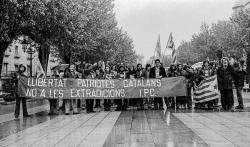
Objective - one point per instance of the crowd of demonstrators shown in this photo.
(227, 74)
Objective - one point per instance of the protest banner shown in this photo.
(54, 88)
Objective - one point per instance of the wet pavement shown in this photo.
(10, 106)
(227, 129)
(193, 127)
(17, 125)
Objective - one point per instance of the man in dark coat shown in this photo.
(225, 84)
(159, 72)
(138, 75)
(238, 78)
(122, 104)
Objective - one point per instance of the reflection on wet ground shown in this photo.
(151, 128)
(71, 130)
(9, 108)
(219, 129)
(215, 110)
(14, 126)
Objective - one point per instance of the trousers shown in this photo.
(17, 109)
(227, 100)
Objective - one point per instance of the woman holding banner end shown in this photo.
(21, 71)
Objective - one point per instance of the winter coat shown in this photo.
(138, 73)
(225, 78)
(171, 73)
(145, 74)
(162, 72)
(239, 77)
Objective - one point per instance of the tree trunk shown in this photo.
(3, 47)
(44, 51)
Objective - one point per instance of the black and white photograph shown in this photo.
(124, 73)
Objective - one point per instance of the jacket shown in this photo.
(239, 77)
(145, 74)
(225, 78)
(162, 72)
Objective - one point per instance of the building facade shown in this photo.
(18, 53)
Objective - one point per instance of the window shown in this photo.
(16, 49)
(28, 69)
(16, 67)
(6, 68)
(24, 47)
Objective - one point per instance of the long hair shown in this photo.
(147, 65)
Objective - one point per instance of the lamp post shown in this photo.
(30, 52)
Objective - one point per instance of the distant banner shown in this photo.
(54, 88)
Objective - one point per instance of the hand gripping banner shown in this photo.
(54, 88)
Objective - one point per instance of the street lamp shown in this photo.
(30, 52)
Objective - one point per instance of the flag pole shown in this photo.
(166, 47)
(158, 41)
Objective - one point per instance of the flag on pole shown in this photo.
(171, 46)
(158, 49)
(207, 90)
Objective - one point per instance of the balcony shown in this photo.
(16, 55)
(6, 55)
(28, 58)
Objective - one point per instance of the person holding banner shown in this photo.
(180, 100)
(190, 84)
(53, 103)
(145, 75)
(89, 74)
(66, 102)
(113, 74)
(121, 103)
(113, 71)
(138, 75)
(99, 70)
(170, 101)
(225, 84)
(71, 73)
(74, 74)
(131, 73)
(108, 76)
(207, 71)
(157, 72)
(21, 71)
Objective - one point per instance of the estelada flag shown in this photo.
(158, 49)
(171, 46)
(207, 90)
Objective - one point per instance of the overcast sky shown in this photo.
(144, 20)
